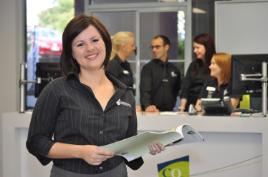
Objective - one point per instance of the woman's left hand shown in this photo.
(156, 148)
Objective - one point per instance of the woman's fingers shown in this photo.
(156, 148)
(95, 155)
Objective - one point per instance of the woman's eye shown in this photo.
(95, 40)
(80, 44)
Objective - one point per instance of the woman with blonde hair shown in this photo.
(218, 85)
(123, 46)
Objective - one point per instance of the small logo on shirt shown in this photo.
(173, 74)
(119, 102)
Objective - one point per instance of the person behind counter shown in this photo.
(160, 79)
(198, 70)
(123, 43)
(218, 85)
(76, 114)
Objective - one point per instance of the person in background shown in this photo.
(87, 108)
(123, 43)
(218, 85)
(198, 70)
(160, 79)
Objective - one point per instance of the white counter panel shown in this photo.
(233, 146)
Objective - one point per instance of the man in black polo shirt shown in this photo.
(160, 79)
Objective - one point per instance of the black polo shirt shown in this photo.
(68, 112)
(211, 90)
(160, 85)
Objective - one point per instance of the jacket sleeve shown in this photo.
(145, 87)
(186, 83)
(39, 140)
(178, 81)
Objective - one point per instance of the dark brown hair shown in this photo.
(74, 28)
(165, 39)
(207, 41)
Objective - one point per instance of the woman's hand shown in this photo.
(182, 106)
(151, 108)
(156, 148)
(94, 155)
(198, 106)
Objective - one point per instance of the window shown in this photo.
(45, 22)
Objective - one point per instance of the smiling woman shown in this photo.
(219, 83)
(86, 99)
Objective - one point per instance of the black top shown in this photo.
(160, 85)
(68, 112)
(211, 90)
(121, 70)
(194, 80)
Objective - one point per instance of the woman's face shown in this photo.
(215, 70)
(88, 49)
(199, 50)
(129, 47)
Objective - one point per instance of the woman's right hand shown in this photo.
(183, 103)
(94, 155)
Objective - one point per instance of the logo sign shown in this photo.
(174, 168)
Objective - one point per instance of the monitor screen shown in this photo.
(46, 72)
(247, 64)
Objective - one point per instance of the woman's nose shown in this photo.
(90, 46)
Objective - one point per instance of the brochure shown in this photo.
(136, 146)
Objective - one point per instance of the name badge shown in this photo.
(125, 72)
(211, 89)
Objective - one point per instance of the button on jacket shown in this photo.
(160, 85)
(68, 112)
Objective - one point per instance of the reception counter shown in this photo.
(234, 146)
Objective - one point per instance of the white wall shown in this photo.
(11, 51)
(241, 27)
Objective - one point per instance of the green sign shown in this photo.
(174, 168)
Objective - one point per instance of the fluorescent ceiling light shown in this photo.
(199, 11)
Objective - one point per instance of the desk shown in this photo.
(229, 141)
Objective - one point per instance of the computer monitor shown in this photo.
(248, 64)
(46, 72)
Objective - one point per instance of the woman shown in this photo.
(218, 85)
(123, 47)
(198, 71)
(76, 114)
